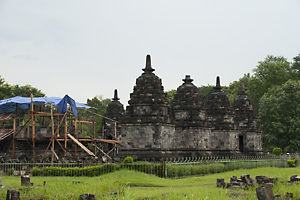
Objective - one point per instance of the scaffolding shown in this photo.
(65, 131)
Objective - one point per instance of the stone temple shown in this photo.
(153, 128)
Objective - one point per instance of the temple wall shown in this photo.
(147, 136)
(253, 141)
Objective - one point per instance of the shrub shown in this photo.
(35, 171)
(277, 151)
(291, 163)
(128, 159)
(10, 171)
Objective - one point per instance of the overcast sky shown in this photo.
(89, 48)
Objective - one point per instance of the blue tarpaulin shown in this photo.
(10, 104)
(62, 106)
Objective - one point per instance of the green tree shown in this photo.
(170, 95)
(98, 109)
(8, 91)
(296, 67)
(233, 91)
(279, 117)
(25, 91)
(205, 91)
(271, 72)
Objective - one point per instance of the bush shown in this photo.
(292, 162)
(35, 171)
(128, 159)
(277, 151)
(10, 171)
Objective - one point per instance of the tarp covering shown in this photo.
(62, 106)
(10, 104)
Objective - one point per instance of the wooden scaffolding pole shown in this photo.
(52, 127)
(82, 146)
(28, 125)
(94, 137)
(33, 130)
(65, 134)
(75, 147)
(14, 137)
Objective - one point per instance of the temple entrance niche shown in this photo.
(241, 143)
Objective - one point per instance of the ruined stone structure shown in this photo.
(151, 128)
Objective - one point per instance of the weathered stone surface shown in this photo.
(187, 107)
(295, 178)
(233, 179)
(12, 195)
(245, 117)
(220, 182)
(25, 180)
(265, 192)
(114, 114)
(263, 179)
(246, 179)
(148, 102)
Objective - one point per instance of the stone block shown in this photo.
(233, 179)
(220, 182)
(25, 181)
(295, 178)
(265, 192)
(87, 197)
(246, 179)
(12, 195)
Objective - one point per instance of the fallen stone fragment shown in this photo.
(265, 192)
(12, 195)
(293, 178)
(25, 181)
(87, 197)
(253, 180)
(233, 179)
(246, 179)
(220, 182)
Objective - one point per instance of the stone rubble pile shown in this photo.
(265, 189)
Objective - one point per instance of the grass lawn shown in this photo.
(133, 185)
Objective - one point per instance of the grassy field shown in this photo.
(133, 185)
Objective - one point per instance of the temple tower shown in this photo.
(146, 128)
(114, 114)
(190, 119)
(148, 102)
(245, 121)
(187, 106)
(222, 138)
(219, 111)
